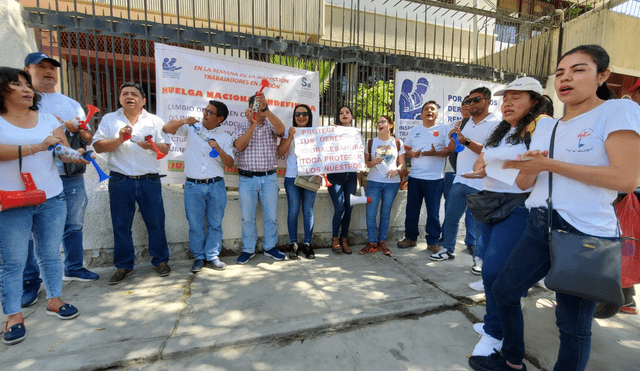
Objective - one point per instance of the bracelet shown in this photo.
(29, 148)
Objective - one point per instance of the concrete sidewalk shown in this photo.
(147, 320)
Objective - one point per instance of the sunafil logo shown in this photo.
(169, 68)
(305, 83)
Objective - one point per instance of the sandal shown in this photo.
(335, 244)
(345, 246)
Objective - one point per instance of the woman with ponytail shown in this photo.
(596, 154)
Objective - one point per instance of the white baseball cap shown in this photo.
(522, 84)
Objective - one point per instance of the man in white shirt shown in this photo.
(205, 195)
(473, 136)
(135, 177)
(44, 76)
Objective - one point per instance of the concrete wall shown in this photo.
(98, 233)
(17, 42)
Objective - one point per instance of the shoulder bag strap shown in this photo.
(549, 203)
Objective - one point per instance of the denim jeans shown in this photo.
(340, 193)
(45, 222)
(431, 192)
(469, 238)
(528, 263)
(250, 189)
(77, 200)
(384, 193)
(456, 206)
(205, 202)
(499, 240)
(296, 197)
(123, 194)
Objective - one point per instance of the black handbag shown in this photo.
(493, 207)
(75, 142)
(585, 266)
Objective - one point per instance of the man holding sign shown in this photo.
(256, 141)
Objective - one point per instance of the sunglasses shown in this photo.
(303, 114)
(472, 100)
(207, 112)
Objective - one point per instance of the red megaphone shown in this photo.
(159, 154)
(92, 111)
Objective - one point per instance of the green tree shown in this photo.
(374, 101)
(325, 69)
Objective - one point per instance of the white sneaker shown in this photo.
(477, 266)
(441, 255)
(487, 346)
(479, 328)
(477, 285)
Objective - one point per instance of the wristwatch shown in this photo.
(265, 109)
(467, 142)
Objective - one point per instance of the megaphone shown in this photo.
(355, 200)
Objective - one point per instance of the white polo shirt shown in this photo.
(198, 163)
(477, 132)
(129, 158)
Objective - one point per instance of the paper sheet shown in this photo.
(494, 169)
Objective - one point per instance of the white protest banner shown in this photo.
(329, 149)
(414, 89)
(187, 79)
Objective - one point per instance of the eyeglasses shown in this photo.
(303, 114)
(382, 121)
(207, 112)
(472, 100)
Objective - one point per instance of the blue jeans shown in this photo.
(250, 189)
(205, 202)
(499, 240)
(469, 238)
(76, 199)
(340, 193)
(296, 197)
(123, 194)
(384, 193)
(45, 222)
(431, 192)
(457, 204)
(528, 263)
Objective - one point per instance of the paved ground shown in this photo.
(374, 312)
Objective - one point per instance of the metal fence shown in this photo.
(355, 44)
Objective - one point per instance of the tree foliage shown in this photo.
(374, 101)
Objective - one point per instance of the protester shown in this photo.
(205, 194)
(256, 140)
(135, 178)
(522, 107)
(44, 74)
(473, 136)
(449, 176)
(384, 156)
(297, 196)
(426, 146)
(26, 137)
(596, 153)
(343, 185)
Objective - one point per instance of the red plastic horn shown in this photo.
(159, 155)
(264, 83)
(92, 111)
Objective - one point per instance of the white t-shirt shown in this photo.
(63, 107)
(581, 141)
(502, 152)
(129, 158)
(421, 139)
(480, 133)
(198, 163)
(388, 151)
(292, 159)
(41, 165)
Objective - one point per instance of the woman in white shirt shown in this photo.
(297, 196)
(384, 156)
(596, 153)
(522, 106)
(25, 136)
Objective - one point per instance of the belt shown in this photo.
(205, 181)
(250, 174)
(135, 177)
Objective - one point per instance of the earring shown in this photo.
(600, 84)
